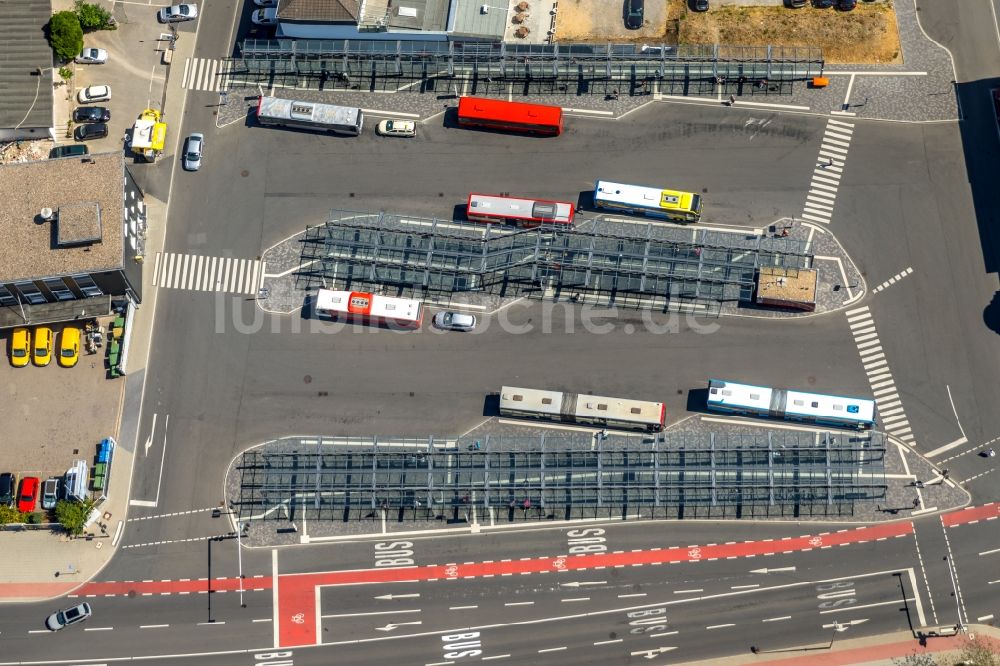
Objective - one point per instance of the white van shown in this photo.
(397, 128)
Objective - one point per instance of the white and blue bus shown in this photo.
(649, 201)
(818, 408)
(346, 120)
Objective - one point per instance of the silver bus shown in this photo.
(345, 120)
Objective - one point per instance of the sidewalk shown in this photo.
(879, 650)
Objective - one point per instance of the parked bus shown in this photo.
(582, 409)
(512, 116)
(523, 212)
(650, 201)
(362, 307)
(345, 120)
(818, 408)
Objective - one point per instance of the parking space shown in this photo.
(135, 71)
(53, 415)
(604, 20)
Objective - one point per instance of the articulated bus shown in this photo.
(512, 116)
(649, 201)
(345, 120)
(523, 212)
(365, 308)
(834, 410)
(583, 409)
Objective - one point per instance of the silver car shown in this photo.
(90, 56)
(50, 493)
(194, 146)
(454, 321)
(64, 618)
(176, 13)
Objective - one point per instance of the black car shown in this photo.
(847, 5)
(71, 150)
(701, 5)
(87, 132)
(8, 487)
(824, 4)
(91, 114)
(633, 14)
(795, 4)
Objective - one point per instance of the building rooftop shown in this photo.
(27, 97)
(87, 196)
(425, 15)
(468, 19)
(787, 287)
(319, 10)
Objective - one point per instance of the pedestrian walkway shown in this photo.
(205, 74)
(891, 415)
(174, 270)
(827, 172)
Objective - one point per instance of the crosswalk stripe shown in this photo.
(820, 175)
(239, 276)
(252, 278)
(866, 336)
(857, 311)
(903, 431)
(156, 267)
(870, 346)
(177, 270)
(821, 186)
(828, 139)
(813, 218)
(187, 66)
(817, 211)
(834, 149)
(840, 123)
(883, 393)
(822, 197)
(873, 357)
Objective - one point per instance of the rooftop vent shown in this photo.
(47, 214)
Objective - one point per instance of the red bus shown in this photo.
(523, 212)
(369, 308)
(513, 116)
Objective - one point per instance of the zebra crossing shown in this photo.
(205, 74)
(893, 280)
(827, 172)
(174, 270)
(892, 417)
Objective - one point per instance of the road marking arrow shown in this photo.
(390, 597)
(586, 582)
(390, 626)
(845, 625)
(764, 571)
(653, 653)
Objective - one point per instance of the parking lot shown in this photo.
(589, 20)
(54, 415)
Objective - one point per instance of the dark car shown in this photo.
(824, 4)
(87, 132)
(847, 5)
(796, 4)
(8, 487)
(701, 5)
(91, 114)
(633, 14)
(67, 151)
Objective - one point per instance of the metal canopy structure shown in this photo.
(569, 68)
(616, 262)
(675, 475)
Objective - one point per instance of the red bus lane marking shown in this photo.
(123, 588)
(296, 595)
(971, 514)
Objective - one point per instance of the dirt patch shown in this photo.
(603, 21)
(866, 35)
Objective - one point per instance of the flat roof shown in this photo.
(27, 99)
(74, 186)
(319, 10)
(423, 15)
(467, 19)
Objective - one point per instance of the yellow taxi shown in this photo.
(20, 347)
(69, 346)
(43, 345)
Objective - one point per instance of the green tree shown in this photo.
(9, 514)
(65, 35)
(92, 17)
(980, 652)
(73, 515)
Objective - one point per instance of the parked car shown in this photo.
(176, 13)
(91, 56)
(8, 486)
(265, 16)
(91, 131)
(28, 494)
(266, 3)
(69, 346)
(20, 347)
(847, 5)
(43, 346)
(64, 618)
(823, 4)
(796, 4)
(701, 5)
(71, 150)
(634, 14)
(91, 114)
(50, 492)
(94, 94)
(396, 128)
(454, 321)
(194, 146)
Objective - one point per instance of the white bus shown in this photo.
(650, 201)
(582, 408)
(345, 120)
(362, 307)
(818, 408)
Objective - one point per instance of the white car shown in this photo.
(193, 149)
(64, 618)
(396, 128)
(265, 16)
(454, 321)
(92, 57)
(94, 94)
(178, 13)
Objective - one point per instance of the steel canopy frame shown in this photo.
(684, 474)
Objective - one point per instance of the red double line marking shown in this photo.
(971, 514)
